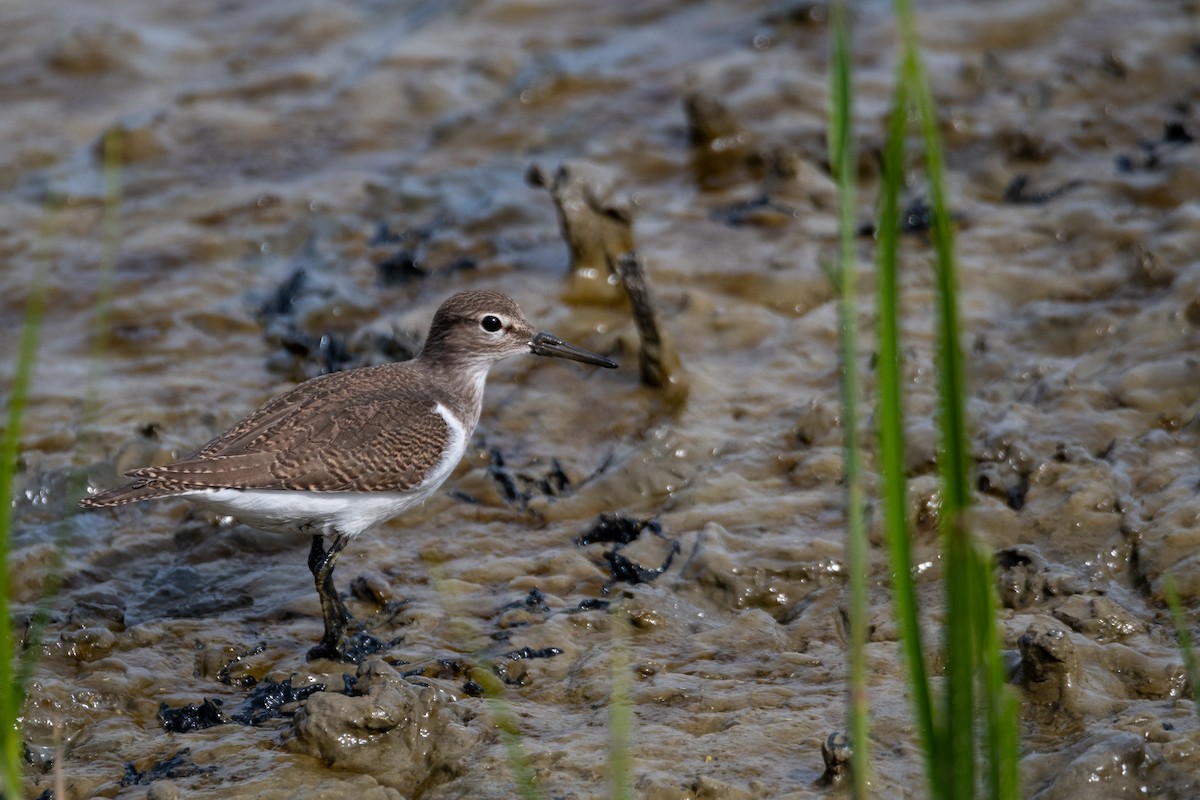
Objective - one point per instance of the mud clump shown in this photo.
(519, 488)
(724, 153)
(792, 186)
(1049, 665)
(1071, 676)
(837, 755)
(409, 737)
(721, 149)
(605, 269)
(1025, 579)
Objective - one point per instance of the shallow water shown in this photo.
(382, 149)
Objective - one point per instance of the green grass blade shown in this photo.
(842, 158)
(1183, 636)
(13, 686)
(953, 460)
(620, 712)
(954, 456)
(972, 639)
(499, 708)
(12, 690)
(999, 699)
(960, 663)
(102, 314)
(890, 421)
(510, 732)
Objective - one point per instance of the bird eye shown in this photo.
(491, 323)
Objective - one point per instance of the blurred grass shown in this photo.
(843, 160)
(1183, 637)
(953, 740)
(18, 657)
(12, 688)
(889, 420)
(620, 709)
(510, 732)
(971, 635)
(488, 679)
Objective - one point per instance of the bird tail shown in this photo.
(129, 493)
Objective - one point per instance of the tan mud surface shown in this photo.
(305, 182)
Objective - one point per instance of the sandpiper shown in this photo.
(343, 452)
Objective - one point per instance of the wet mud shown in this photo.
(302, 184)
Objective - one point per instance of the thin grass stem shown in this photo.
(1183, 636)
(972, 639)
(620, 712)
(961, 636)
(843, 158)
(890, 422)
(510, 732)
(102, 314)
(494, 690)
(12, 687)
(1003, 777)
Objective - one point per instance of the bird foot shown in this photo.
(351, 648)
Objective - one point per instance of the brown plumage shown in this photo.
(364, 430)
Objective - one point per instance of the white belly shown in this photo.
(347, 513)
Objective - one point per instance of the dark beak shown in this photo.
(547, 344)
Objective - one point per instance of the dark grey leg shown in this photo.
(321, 563)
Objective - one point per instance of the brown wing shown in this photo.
(371, 429)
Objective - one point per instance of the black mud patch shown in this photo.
(177, 766)
(622, 531)
(192, 717)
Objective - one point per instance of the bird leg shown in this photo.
(320, 563)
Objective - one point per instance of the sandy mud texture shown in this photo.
(303, 183)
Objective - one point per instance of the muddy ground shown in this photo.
(303, 183)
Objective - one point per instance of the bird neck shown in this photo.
(461, 380)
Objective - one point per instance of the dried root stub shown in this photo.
(722, 151)
(596, 224)
(658, 360)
